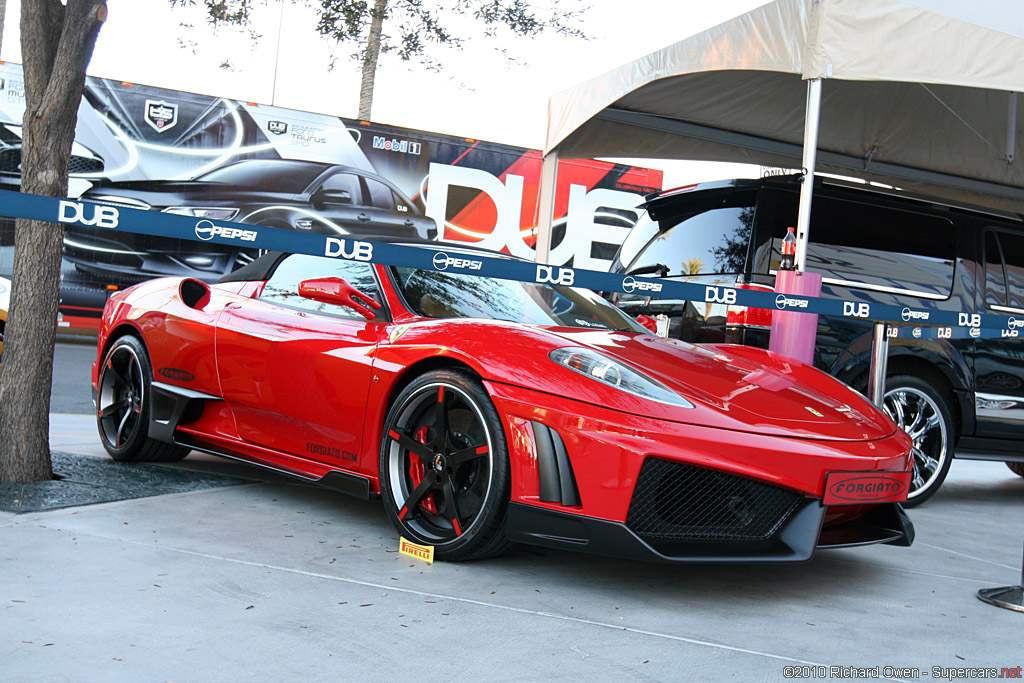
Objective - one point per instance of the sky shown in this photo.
(477, 94)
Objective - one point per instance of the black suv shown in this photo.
(869, 244)
(280, 193)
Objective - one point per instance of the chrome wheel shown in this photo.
(921, 412)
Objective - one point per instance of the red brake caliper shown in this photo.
(417, 471)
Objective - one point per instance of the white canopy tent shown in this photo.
(917, 93)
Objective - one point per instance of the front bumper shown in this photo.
(795, 541)
(671, 492)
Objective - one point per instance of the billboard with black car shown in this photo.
(220, 159)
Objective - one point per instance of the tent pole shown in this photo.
(793, 333)
(546, 206)
(1011, 127)
(803, 220)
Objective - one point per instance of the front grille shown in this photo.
(10, 162)
(678, 503)
(78, 164)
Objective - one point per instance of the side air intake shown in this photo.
(557, 481)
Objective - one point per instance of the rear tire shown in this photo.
(922, 410)
(1017, 468)
(444, 468)
(123, 403)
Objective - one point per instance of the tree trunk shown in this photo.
(57, 43)
(370, 56)
(3, 17)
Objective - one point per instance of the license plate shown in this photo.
(853, 488)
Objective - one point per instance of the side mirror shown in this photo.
(337, 291)
(335, 196)
(648, 322)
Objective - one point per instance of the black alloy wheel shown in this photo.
(922, 411)
(444, 467)
(123, 402)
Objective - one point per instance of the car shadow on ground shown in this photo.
(635, 581)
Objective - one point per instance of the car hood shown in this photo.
(745, 388)
(738, 388)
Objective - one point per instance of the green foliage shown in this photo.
(412, 27)
(731, 257)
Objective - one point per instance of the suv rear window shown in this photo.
(857, 244)
(700, 243)
(1004, 271)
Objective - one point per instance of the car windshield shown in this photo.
(270, 175)
(453, 295)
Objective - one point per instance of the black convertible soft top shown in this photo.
(260, 269)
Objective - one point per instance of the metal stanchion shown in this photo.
(1007, 597)
(879, 362)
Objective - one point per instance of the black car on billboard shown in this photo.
(280, 193)
(83, 160)
(871, 245)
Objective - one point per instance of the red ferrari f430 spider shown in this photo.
(484, 412)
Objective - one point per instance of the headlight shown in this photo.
(611, 372)
(203, 212)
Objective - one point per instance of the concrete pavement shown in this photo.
(277, 581)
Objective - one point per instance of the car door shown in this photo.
(340, 200)
(390, 214)
(999, 362)
(296, 372)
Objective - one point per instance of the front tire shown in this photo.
(123, 403)
(1017, 468)
(444, 469)
(922, 411)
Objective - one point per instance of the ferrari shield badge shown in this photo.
(397, 332)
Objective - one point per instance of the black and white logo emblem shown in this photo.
(783, 302)
(442, 260)
(630, 285)
(161, 115)
(277, 127)
(206, 231)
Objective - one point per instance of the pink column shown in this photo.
(793, 334)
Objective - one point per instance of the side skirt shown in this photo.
(343, 482)
(173, 405)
